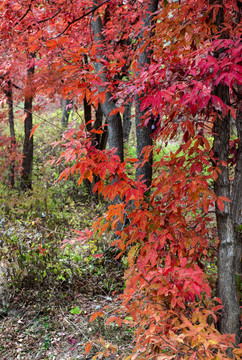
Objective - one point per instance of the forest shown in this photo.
(120, 179)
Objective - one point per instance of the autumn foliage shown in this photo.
(167, 230)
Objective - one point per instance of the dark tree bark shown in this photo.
(12, 133)
(143, 133)
(27, 164)
(100, 138)
(66, 110)
(115, 129)
(8, 91)
(87, 114)
(127, 121)
(237, 197)
(226, 284)
(228, 244)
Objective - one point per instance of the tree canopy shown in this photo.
(180, 63)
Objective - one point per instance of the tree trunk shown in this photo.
(66, 110)
(115, 130)
(9, 95)
(27, 164)
(226, 262)
(87, 114)
(143, 133)
(226, 284)
(237, 201)
(127, 121)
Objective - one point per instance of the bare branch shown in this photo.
(50, 18)
(81, 17)
(14, 85)
(27, 11)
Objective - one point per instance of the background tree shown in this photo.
(67, 105)
(114, 122)
(8, 91)
(188, 82)
(27, 165)
(143, 133)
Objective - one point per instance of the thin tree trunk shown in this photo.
(101, 139)
(9, 94)
(143, 133)
(226, 284)
(226, 262)
(115, 130)
(66, 110)
(27, 164)
(98, 140)
(237, 201)
(87, 114)
(127, 121)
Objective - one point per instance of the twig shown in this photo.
(50, 18)
(78, 328)
(40, 117)
(28, 10)
(80, 17)
(14, 85)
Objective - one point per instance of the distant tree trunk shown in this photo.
(226, 261)
(9, 95)
(127, 121)
(115, 129)
(87, 114)
(143, 133)
(98, 140)
(66, 110)
(101, 138)
(27, 164)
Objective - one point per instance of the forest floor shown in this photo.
(55, 324)
(49, 319)
(49, 292)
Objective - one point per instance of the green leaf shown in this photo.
(76, 310)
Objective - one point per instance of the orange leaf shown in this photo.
(220, 204)
(33, 130)
(23, 117)
(95, 315)
(224, 198)
(111, 319)
(115, 111)
(88, 347)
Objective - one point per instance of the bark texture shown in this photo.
(143, 133)
(127, 121)
(228, 244)
(8, 91)
(237, 201)
(66, 110)
(115, 129)
(27, 164)
(226, 284)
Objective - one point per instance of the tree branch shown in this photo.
(26, 13)
(79, 18)
(14, 85)
(50, 18)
